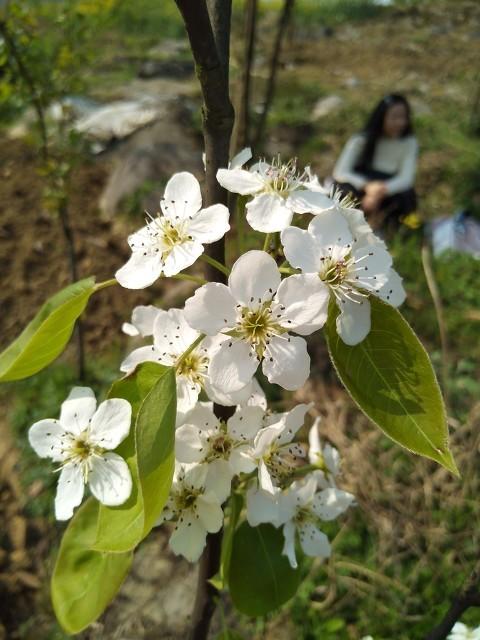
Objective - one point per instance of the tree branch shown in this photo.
(208, 29)
(468, 597)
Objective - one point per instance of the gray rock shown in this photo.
(326, 106)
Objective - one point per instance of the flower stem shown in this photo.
(215, 263)
(187, 276)
(266, 244)
(191, 348)
(287, 270)
(105, 284)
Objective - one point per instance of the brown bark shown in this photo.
(208, 28)
(468, 597)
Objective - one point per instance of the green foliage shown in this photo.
(235, 505)
(46, 336)
(261, 578)
(84, 581)
(149, 452)
(391, 378)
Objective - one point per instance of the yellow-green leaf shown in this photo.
(149, 452)
(390, 376)
(84, 581)
(46, 336)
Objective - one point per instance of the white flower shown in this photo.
(197, 511)
(274, 451)
(351, 271)
(256, 311)
(224, 448)
(172, 336)
(278, 189)
(301, 508)
(461, 632)
(173, 241)
(81, 441)
(301, 516)
(326, 458)
(143, 318)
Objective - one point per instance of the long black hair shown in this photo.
(374, 128)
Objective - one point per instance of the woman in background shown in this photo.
(377, 167)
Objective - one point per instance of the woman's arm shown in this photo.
(405, 178)
(344, 170)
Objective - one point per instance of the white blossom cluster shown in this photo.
(216, 344)
(253, 450)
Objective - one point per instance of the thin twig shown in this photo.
(241, 133)
(272, 76)
(438, 306)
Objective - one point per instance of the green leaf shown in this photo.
(260, 578)
(84, 581)
(149, 452)
(46, 336)
(391, 378)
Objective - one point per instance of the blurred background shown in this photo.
(99, 105)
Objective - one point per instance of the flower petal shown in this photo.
(182, 256)
(289, 543)
(210, 224)
(254, 277)
(304, 201)
(240, 159)
(70, 491)
(189, 446)
(265, 481)
(392, 291)
(241, 460)
(287, 362)
(210, 512)
(140, 271)
(172, 334)
(143, 319)
(305, 298)
(46, 438)
(292, 421)
(77, 409)
(246, 423)
(110, 480)
(330, 503)
(300, 249)
(187, 394)
(330, 229)
(262, 507)
(219, 480)
(189, 537)
(353, 321)
(313, 541)
(239, 181)
(142, 354)
(268, 213)
(232, 366)
(212, 297)
(182, 197)
(110, 424)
